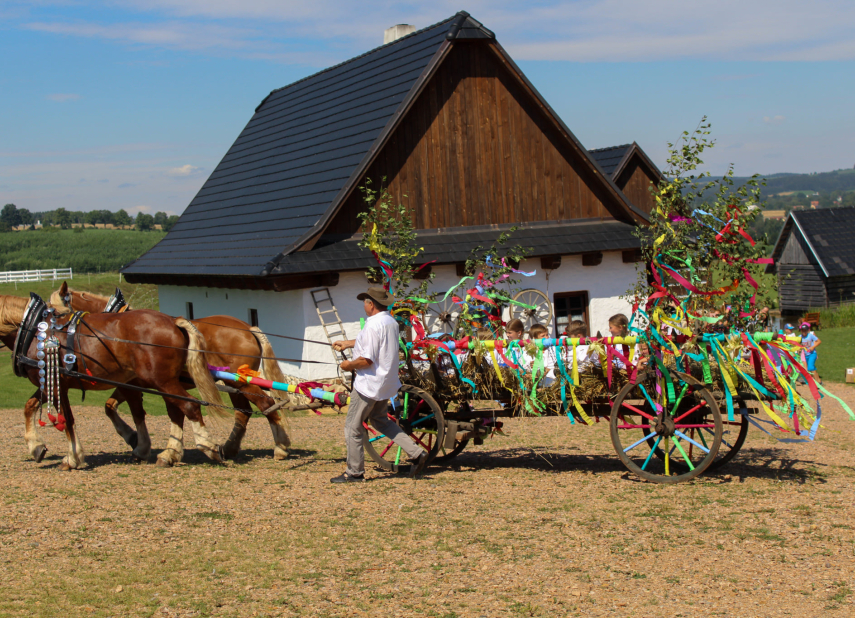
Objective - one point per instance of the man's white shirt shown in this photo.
(378, 342)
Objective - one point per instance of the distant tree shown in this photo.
(144, 222)
(26, 216)
(62, 218)
(170, 223)
(160, 217)
(122, 218)
(10, 216)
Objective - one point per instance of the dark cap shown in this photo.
(379, 295)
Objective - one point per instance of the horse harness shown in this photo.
(33, 314)
(117, 303)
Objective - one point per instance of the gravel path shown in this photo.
(541, 522)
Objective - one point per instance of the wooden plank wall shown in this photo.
(800, 287)
(476, 150)
(841, 290)
(635, 181)
(795, 251)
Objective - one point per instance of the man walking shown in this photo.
(375, 364)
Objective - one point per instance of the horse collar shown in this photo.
(26, 333)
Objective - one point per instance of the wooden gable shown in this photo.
(478, 148)
(635, 180)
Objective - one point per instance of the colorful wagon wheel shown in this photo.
(441, 317)
(535, 308)
(732, 439)
(666, 413)
(420, 417)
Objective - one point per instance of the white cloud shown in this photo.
(62, 97)
(774, 119)
(589, 30)
(138, 209)
(185, 170)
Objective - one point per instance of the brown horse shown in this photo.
(235, 343)
(143, 348)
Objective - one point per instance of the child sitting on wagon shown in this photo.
(619, 327)
(575, 330)
(539, 331)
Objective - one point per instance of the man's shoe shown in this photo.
(346, 478)
(417, 465)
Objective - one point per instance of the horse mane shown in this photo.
(56, 300)
(11, 313)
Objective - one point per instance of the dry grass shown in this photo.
(543, 522)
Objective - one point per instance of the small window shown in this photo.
(188, 310)
(570, 306)
(253, 317)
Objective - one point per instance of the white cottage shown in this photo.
(458, 133)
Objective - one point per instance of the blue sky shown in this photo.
(131, 103)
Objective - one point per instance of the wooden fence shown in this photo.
(50, 274)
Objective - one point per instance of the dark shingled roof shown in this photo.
(301, 153)
(454, 245)
(294, 157)
(830, 234)
(609, 158)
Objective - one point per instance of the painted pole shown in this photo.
(317, 393)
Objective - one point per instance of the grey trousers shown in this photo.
(362, 409)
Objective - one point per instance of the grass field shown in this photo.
(141, 296)
(836, 353)
(89, 250)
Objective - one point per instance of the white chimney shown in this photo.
(396, 32)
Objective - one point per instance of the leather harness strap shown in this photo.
(26, 333)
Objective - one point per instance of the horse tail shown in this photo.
(270, 369)
(197, 367)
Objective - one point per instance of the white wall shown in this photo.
(293, 313)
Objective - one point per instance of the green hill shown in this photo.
(84, 250)
(838, 181)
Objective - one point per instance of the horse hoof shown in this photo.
(64, 467)
(228, 451)
(162, 463)
(39, 453)
(133, 440)
(279, 456)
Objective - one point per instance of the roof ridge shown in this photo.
(459, 14)
(610, 147)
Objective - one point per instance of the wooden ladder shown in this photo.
(333, 327)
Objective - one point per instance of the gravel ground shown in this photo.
(542, 522)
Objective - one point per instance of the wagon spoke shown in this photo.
(683, 453)
(688, 439)
(650, 454)
(685, 414)
(637, 411)
(632, 446)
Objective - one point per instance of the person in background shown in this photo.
(514, 330)
(619, 327)
(576, 330)
(810, 342)
(375, 363)
(538, 331)
(484, 334)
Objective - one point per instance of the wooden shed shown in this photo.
(815, 259)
